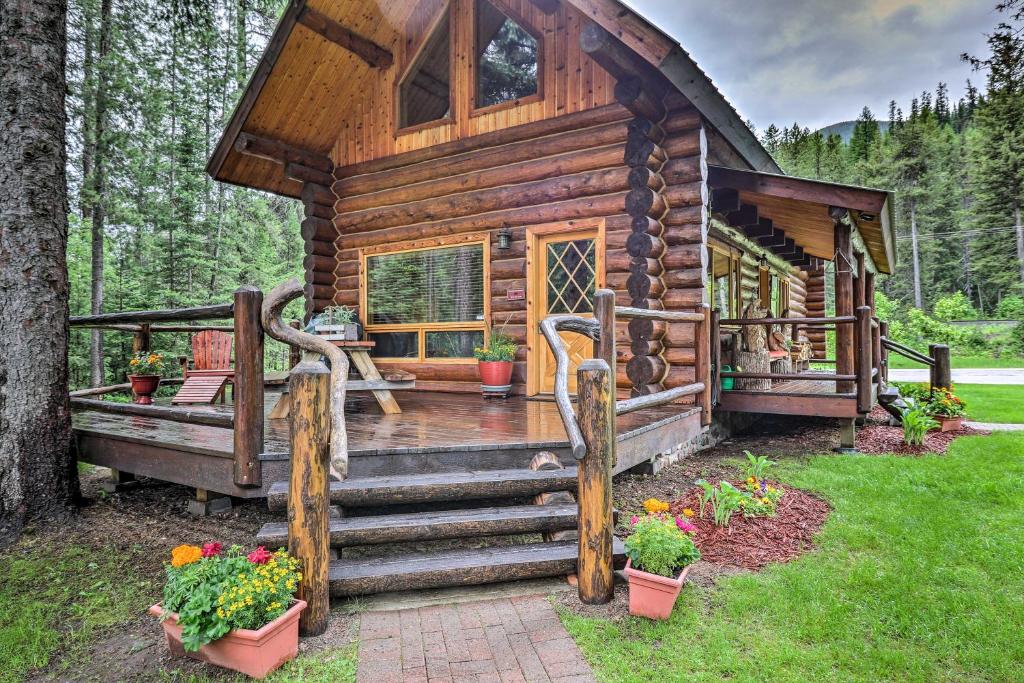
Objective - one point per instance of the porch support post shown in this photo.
(844, 265)
(248, 387)
(596, 408)
(863, 343)
(847, 435)
(860, 288)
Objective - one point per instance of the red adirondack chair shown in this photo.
(210, 369)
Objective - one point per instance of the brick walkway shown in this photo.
(510, 639)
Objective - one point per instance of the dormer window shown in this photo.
(424, 95)
(507, 58)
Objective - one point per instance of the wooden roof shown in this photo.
(800, 207)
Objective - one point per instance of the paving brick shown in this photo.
(554, 651)
(504, 657)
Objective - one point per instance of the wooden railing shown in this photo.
(319, 451)
(940, 371)
(247, 385)
(591, 427)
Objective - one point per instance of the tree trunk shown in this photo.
(88, 81)
(38, 478)
(1020, 238)
(916, 254)
(99, 187)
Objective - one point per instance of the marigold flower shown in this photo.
(259, 556)
(185, 554)
(653, 505)
(212, 549)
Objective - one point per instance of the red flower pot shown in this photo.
(653, 596)
(496, 376)
(950, 424)
(144, 386)
(253, 653)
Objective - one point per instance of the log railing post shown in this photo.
(716, 356)
(844, 265)
(862, 359)
(942, 372)
(876, 349)
(247, 395)
(595, 387)
(141, 341)
(883, 333)
(308, 494)
(294, 352)
(702, 362)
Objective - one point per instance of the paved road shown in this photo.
(965, 376)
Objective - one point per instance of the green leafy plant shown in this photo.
(146, 363)
(945, 403)
(761, 499)
(916, 424)
(337, 315)
(214, 592)
(757, 465)
(707, 490)
(661, 544)
(500, 347)
(725, 501)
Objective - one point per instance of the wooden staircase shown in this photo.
(490, 505)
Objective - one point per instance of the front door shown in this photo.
(566, 272)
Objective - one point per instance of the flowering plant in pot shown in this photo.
(144, 370)
(660, 549)
(231, 609)
(338, 323)
(495, 362)
(948, 409)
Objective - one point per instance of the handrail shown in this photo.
(550, 327)
(841, 319)
(276, 327)
(907, 352)
(825, 377)
(658, 398)
(650, 314)
(212, 312)
(193, 416)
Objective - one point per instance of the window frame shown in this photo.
(484, 240)
(538, 96)
(399, 129)
(735, 273)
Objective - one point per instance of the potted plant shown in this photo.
(144, 371)
(338, 323)
(230, 609)
(947, 409)
(495, 361)
(660, 549)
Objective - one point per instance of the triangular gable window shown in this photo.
(506, 58)
(425, 92)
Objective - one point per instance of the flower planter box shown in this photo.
(143, 387)
(253, 653)
(949, 424)
(496, 377)
(346, 332)
(653, 596)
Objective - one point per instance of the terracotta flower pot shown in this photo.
(144, 386)
(253, 653)
(496, 377)
(950, 424)
(650, 595)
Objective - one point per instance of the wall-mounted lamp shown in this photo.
(763, 261)
(504, 238)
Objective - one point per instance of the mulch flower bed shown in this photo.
(752, 542)
(879, 439)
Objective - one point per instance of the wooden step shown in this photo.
(444, 486)
(363, 576)
(492, 521)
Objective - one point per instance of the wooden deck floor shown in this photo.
(796, 397)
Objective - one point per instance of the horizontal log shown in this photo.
(444, 182)
(682, 170)
(318, 210)
(684, 256)
(680, 355)
(196, 416)
(643, 370)
(680, 120)
(213, 312)
(644, 245)
(684, 278)
(682, 145)
(563, 188)
(658, 399)
(508, 268)
(319, 291)
(318, 248)
(326, 264)
(813, 376)
(370, 52)
(666, 316)
(644, 286)
(322, 229)
(113, 388)
(528, 131)
(675, 299)
(687, 194)
(679, 375)
(281, 152)
(681, 235)
(323, 278)
(684, 216)
(789, 321)
(306, 174)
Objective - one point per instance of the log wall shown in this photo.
(815, 305)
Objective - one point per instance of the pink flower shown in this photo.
(212, 549)
(685, 526)
(634, 520)
(259, 556)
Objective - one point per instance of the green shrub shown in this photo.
(916, 423)
(659, 545)
(757, 466)
(954, 307)
(1011, 308)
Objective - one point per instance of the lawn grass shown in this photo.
(325, 666)
(993, 402)
(57, 597)
(918, 577)
(896, 361)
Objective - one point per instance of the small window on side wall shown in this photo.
(507, 58)
(424, 94)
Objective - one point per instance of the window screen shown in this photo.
(506, 58)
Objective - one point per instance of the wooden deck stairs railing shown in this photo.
(366, 535)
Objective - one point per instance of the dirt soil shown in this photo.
(147, 521)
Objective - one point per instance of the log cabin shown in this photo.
(473, 166)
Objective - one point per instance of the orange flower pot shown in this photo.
(950, 424)
(253, 653)
(496, 377)
(650, 595)
(144, 386)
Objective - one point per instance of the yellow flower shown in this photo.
(653, 505)
(771, 489)
(688, 512)
(133, 361)
(750, 480)
(765, 501)
(185, 554)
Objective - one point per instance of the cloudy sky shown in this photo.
(821, 61)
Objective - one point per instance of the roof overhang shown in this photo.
(800, 209)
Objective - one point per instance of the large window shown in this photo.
(723, 281)
(507, 58)
(426, 303)
(424, 94)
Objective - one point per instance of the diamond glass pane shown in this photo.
(571, 279)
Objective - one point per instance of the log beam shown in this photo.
(364, 48)
(281, 152)
(636, 89)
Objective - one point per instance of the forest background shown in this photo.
(152, 83)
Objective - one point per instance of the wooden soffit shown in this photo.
(800, 207)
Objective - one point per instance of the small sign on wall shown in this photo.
(515, 294)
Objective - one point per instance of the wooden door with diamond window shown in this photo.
(568, 271)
